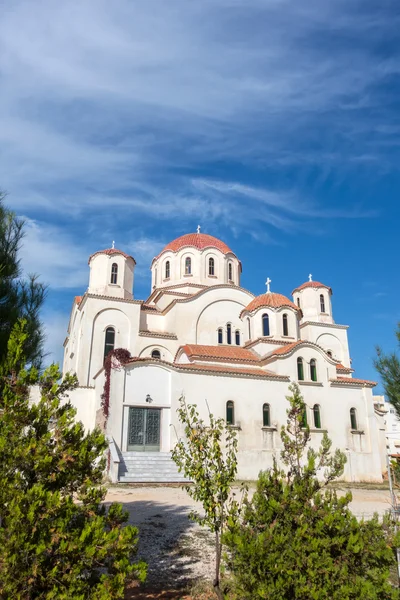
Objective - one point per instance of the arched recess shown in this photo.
(165, 353)
(108, 317)
(216, 314)
(328, 341)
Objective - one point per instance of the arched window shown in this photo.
(249, 328)
(300, 369)
(317, 416)
(322, 303)
(114, 273)
(230, 413)
(230, 272)
(353, 419)
(167, 269)
(211, 265)
(156, 354)
(304, 418)
(229, 333)
(266, 415)
(285, 324)
(265, 324)
(220, 336)
(109, 341)
(188, 265)
(155, 277)
(298, 301)
(237, 337)
(313, 369)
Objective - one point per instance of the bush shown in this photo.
(57, 538)
(295, 540)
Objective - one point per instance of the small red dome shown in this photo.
(270, 300)
(197, 240)
(312, 284)
(110, 252)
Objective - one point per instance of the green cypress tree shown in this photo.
(20, 298)
(58, 540)
(294, 540)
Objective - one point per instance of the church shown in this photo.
(201, 335)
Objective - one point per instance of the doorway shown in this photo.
(144, 429)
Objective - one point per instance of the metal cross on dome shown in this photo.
(198, 228)
(268, 283)
(310, 277)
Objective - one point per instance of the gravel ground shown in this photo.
(178, 551)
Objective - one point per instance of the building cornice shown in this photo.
(158, 334)
(331, 325)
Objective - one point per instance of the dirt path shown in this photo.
(178, 551)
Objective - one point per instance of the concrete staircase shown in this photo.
(148, 467)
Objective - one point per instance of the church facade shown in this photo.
(201, 335)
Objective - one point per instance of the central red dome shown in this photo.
(197, 240)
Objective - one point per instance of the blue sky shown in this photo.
(273, 124)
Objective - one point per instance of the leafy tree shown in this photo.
(19, 298)
(207, 456)
(57, 538)
(295, 540)
(388, 367)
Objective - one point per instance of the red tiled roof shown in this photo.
(270, 299)
(78, 299)
(197, 240)
(312, 284)
(284, 349)
(341, 367)
(352, 380)
(251, 372)
(234, 353)
(110, 252)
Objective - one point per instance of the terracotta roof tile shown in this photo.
(250, 372)
(197, 240)
(284, 349)
(341, 367)
(271, 300)
(234, 353)
(353, 380)
(110, 252)
(312, 284)
(78, 299)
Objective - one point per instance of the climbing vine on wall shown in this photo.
(114, 360)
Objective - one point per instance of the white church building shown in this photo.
(201, 335)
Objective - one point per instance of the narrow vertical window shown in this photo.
(298, 301)
(167, 270)
(353, 419)
(237, 338)
(313, 369)
(230, 272)
(285, 324)
(188, 265)
(300, 369)
(266, 415)
(322, 303)
(229, 334)
(211, 266)
(220, 337)
(317, 416)
(230, 413)
(114, 273)
(304, 418)
(265, 324)
(249, 328)
(109, 341)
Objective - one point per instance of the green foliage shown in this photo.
(207, 456)
(295, 540)
(57, 538)
(388, 367)
(20, 298)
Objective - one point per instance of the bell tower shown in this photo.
(111, 273)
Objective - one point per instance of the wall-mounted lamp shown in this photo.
(149, 399)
